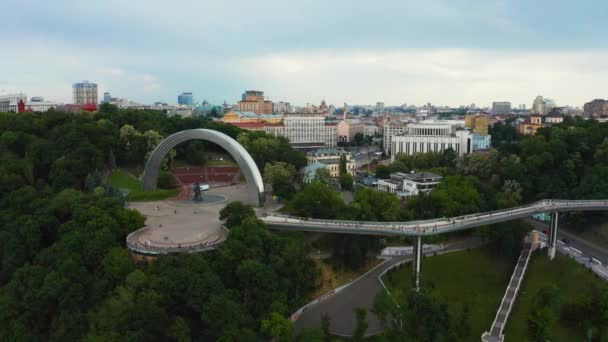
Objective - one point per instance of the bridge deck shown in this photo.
(429, 227)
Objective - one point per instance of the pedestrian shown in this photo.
(175, 211)
(157, 208)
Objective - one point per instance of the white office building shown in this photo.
(306, 130)
(405, 185)
(426, 137)
(10, 103)
(390, 129)
(85, 93)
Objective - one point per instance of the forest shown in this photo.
(65, 274)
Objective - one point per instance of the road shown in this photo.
(341, 306)
(587, 247)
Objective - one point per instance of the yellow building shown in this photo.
(253, 101)
(331, 159)
(477, 123)
(531, 125)
(250, 117)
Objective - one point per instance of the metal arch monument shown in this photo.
(255, 184)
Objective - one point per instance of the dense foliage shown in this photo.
(65, 274)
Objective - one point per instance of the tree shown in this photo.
(166, 180)
(359, 138)
(383, 172)
(346, 181)
(511, 194)
(310, 335)
(361, 326)
(325, 325)
(323, 176)
(234, 213)
(278, 327)
(316, 200)
(544, 315)
(383, 306)
(280, 176)
(195, 153)
(342, 165)
(373, 205)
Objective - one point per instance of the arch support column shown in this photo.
(255, 184)
(417, 251)
(553, 234)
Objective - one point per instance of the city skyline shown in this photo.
(395, 52)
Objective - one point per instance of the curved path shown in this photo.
(429, 227)
(341, 306)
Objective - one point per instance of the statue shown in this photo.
(197, 192)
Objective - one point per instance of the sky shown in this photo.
(447, 52)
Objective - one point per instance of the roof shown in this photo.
(312, 168)
(330, 161)
(416, 176)
(422, 176)
(253, 124)
(327, 151)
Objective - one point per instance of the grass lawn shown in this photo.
(124, 181)
(474, 277)
(574, 282)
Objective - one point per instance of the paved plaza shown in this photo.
(183, 223)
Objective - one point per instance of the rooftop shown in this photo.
(417, 176)
(327, 152)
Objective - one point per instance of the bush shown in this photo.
(166, 180)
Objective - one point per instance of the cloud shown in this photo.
(443, 76)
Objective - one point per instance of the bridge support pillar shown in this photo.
(417, 261)
(553, 234)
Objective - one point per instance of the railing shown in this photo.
(439, 225)
(525, 253)
(186, 248)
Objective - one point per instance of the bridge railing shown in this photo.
(452, 223)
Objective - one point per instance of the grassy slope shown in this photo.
(473, 277)
(573, 280)
(122, 180)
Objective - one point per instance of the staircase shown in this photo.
(495, 333)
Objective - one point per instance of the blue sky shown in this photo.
(443, 51)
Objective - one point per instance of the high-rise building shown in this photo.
(597, 107)
(282, 107)
(107, 98)
(348, 128)
(185, 99)
(380, 107)
(477, 123)
(10, 103)
(85, 93)
(390, 129)
(542, 106)
(253, 101)
(501, 107)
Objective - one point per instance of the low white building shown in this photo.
(426, 137)
(41, 106)
(405, 185)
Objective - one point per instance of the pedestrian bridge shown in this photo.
(432, 226)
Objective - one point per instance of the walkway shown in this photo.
(341, 306)
(429, 227)
(510, 295)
